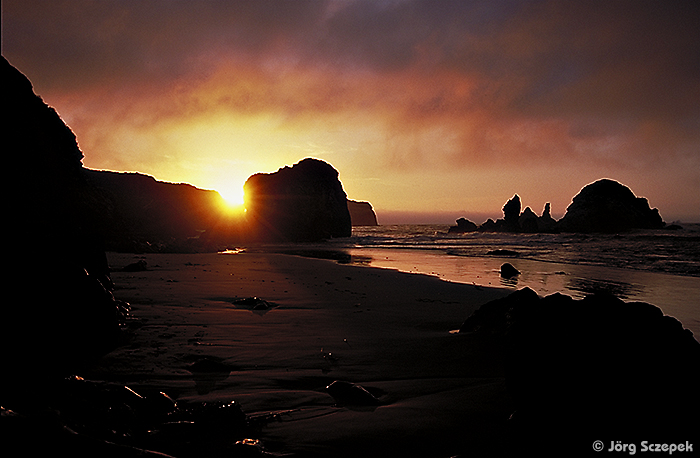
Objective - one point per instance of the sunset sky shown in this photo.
(430, 110)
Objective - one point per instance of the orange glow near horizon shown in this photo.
(447, 109)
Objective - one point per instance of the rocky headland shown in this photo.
(605, 206)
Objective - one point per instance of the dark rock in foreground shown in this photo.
(59, 310)
(351, 394)
(86, 418)
(592, 369)
(305, 202)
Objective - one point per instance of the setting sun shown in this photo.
(233, 195)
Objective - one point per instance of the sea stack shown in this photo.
(608, 206)
(305, 202)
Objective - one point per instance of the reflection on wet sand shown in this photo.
(620, 289)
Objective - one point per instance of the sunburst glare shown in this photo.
(232, 196)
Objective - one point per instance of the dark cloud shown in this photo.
(544, 58)
(501, 83)
(80, 42)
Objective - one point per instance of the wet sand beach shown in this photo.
(439, 394)
(675, 295)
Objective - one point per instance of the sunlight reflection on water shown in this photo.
(671, 293)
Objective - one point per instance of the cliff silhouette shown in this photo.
(144, 214)
(59, 288)
(133, 212)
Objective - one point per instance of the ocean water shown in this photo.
(660, 267)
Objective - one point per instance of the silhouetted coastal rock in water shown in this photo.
(604, 206)
(592, 369)
(608, 206)
(546, 223)
(361, 213)
(304, 202)
(527, 221)
(61, 305)
(511, 214)
(463, 225)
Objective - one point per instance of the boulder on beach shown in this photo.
(351, 394)
(592, 368)
(608, 206)
(139, 266)
(305, 202)
(508, 271)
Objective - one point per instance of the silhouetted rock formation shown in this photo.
(492, 226)
(149, 215)
(60, 303)
(304, 202)
(608, 206)
(463, 225)
(361, 213)
(603, 206)
(546, 223)
(527, 221)
(511, 214)
(592, 369)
